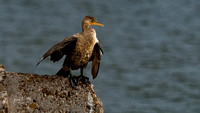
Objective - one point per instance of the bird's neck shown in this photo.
(87, 29)
(88, 32)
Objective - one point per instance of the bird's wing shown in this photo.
(60, 49)
(96, 58)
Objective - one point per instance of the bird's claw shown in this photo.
(77, 80)
(83, 80)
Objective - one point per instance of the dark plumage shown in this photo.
(79, 49)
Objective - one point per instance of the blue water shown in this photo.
(152, 48)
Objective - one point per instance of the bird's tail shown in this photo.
(65, 72)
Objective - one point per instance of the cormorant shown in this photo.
(79, 49)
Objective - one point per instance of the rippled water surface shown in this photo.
(152, 48)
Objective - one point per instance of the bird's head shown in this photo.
(89, 20)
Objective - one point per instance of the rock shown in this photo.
(32, 93)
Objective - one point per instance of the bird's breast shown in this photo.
(84, 48)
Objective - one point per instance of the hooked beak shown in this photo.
(96, 23)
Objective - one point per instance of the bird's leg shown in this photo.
(72, 80)
(66, 72)
(83, 79)
(81, 71)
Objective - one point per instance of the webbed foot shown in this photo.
(83, 80)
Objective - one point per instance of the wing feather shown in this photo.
(60, 49)
(96, 58)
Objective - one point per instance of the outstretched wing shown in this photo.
(60, 49)
(96, 58)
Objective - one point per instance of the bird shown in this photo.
(79, 49)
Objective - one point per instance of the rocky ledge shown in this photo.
(32, 93)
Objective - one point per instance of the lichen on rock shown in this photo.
(26, 92)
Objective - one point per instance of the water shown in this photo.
(151, 62)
